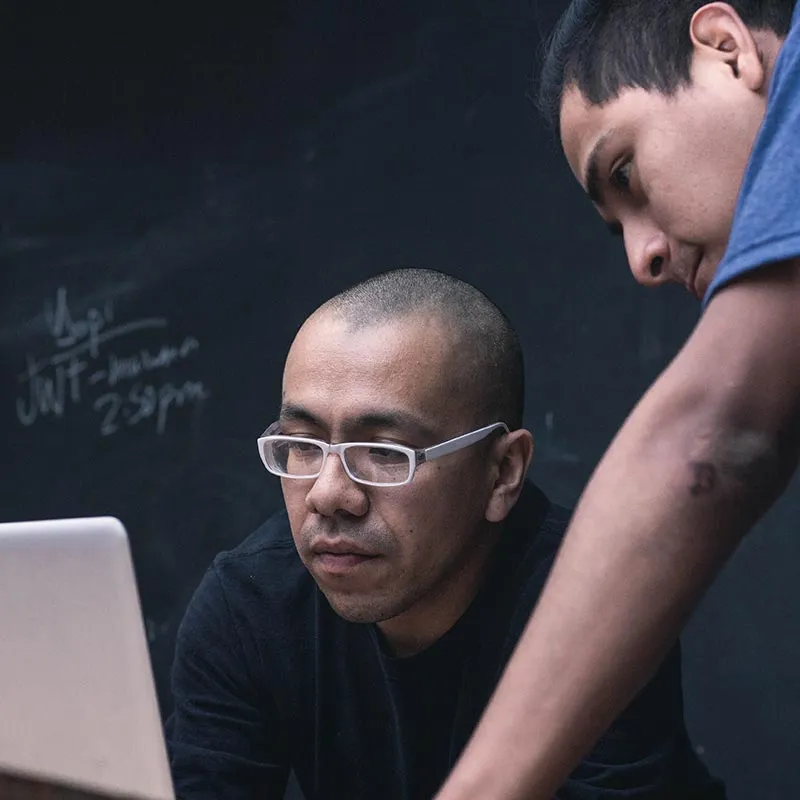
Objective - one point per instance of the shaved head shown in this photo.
(484, 344)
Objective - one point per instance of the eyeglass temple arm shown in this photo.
(273, 428)
(460, 442)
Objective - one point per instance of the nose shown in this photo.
(334, 492)
(648, 253)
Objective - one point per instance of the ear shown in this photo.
(719, 35)
(512, 456)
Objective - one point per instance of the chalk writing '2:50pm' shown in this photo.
(124, 388)
(145, 401)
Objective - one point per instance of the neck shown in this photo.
(433, 615)
(769, 46)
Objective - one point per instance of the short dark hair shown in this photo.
(604, 46)
(489, 345)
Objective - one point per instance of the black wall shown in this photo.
(178, 194)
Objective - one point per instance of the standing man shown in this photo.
(668, 112)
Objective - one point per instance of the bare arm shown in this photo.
(702, 456)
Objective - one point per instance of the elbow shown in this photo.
(740, 463)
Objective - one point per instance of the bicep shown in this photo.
(223, 736)
(726, 412)
(748, 344)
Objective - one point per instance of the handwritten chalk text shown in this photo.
(124, 386)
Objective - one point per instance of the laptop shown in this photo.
(78, 704)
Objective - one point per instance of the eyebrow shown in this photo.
(297, 413)
(377, 419)
(592, 181)
(594, 184)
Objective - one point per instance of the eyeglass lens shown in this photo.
(365, 462)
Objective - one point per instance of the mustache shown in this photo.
(369, 537)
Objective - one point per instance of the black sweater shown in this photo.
(268, 678)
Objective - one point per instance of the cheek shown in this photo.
(415, 522)
(438, 518)
(707, 171)
(294, 498)
(691, 195)
(715, 175)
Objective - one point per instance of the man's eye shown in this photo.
(302, 447)
(621, 176)
(387, 455)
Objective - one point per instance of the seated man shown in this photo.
(357, 636)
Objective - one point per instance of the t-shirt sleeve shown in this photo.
(223, 736)
(766, 224)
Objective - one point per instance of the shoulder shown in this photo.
(254, 599)
(785, 83)
(272, 535)
(530, 540)
(537, 525)
(766, 224)
(269, 549)
(793, 39)
(262, 574)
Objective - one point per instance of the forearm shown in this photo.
(700, 458)
(605, 599)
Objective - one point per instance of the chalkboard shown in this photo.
(176, 196)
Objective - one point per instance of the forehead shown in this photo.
(587, 127)
(336, 370)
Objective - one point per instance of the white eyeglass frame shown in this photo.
(416, 457)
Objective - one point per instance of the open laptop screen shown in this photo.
(77, 698)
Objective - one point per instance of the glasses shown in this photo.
(370, 463)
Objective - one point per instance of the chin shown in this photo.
(362, 610)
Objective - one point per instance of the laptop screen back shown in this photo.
(77, 698)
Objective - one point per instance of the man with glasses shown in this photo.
(356, 637)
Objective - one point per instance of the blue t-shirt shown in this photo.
(766, 225)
